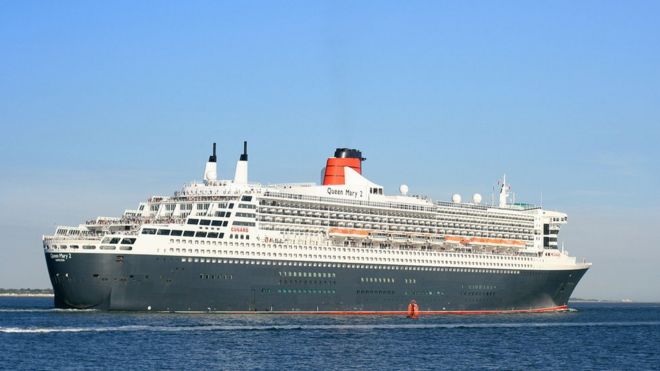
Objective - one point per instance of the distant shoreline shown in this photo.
(18, 295)
(623, 301)
(27, 293)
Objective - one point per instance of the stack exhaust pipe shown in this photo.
(334, 169)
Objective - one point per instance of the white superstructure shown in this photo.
(348, 220)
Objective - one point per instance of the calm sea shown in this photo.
(35, 336)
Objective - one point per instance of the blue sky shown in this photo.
(104, 104)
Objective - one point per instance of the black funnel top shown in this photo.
(244, 155)
(212, 158)
(348, 153)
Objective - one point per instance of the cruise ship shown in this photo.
(344, 246)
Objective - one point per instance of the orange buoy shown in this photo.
(413, 309)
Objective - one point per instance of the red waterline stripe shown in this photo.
(403, 313)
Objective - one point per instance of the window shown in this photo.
(163, 232)
(217, 223)
(200, 234)
(204, 222)
(126, 241)
(246, 198)
(244, 224)
(212, 235)
(148, 231)
(229, 214)
(176, 233)
(188, 233)
(193, 221)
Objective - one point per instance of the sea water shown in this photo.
(34, 335)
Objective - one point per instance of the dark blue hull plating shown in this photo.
(166, 283)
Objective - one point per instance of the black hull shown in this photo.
(166, 283)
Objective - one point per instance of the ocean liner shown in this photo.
(341, 247)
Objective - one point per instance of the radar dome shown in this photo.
(456, 198)
(476, 198)
(403, 189)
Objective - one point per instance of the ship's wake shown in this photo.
(43, 310)
(358, 327)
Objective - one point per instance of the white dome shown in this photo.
(403, 189)
(211, 175)
(456, 198)
(476, 198)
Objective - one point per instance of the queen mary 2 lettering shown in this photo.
(343, 246)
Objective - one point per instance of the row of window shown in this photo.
(482, 287)
(85, 247)
(215, 223)
(350, 266)
(279, 215)
(388, 252)
(243, 224)
(113, 247)
(377, 279)
(432, 214)
(308, 274)
(423, 293)
(478, 293)
(239, 236)
(307, 282)
(221, 235)
(376, 191)
(183, 207)
(337, 257)
(216, 276)
(115, 240)
(380, 251)
(306, 291)
(375, 292)
(177, 232)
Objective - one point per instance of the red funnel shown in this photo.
(334, 169)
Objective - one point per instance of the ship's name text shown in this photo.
(344, 192)
(60, 257)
